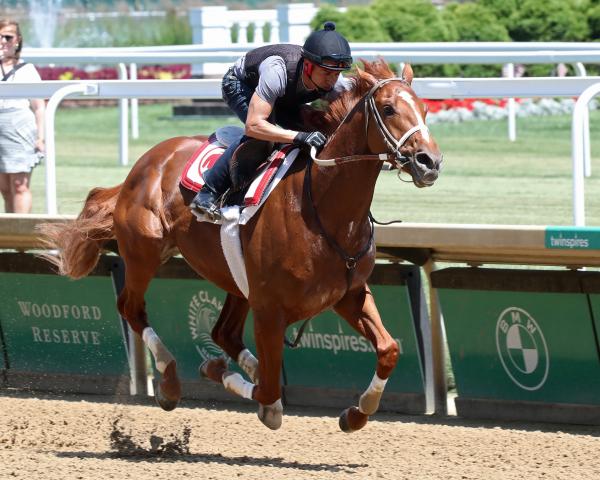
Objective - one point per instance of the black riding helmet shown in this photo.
(328, 45)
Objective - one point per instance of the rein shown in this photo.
(351, 261)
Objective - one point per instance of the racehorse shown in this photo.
(309, 249)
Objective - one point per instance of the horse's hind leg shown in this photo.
(358, 308)
(228, 333)
(269, 330)
(141, 262)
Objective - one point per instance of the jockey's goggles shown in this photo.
(334, 61)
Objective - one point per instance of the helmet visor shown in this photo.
(336, 63)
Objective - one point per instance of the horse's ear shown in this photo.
(407, 73)
(366, 77)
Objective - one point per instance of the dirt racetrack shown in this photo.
(50, 437)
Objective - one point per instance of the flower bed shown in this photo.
(454, 111)
(168, 72)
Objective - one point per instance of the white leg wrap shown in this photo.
(248, 364)
(235, 383)
(162, 357)
(377, 384)
(369, 400)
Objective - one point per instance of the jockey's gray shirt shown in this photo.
(272, 79)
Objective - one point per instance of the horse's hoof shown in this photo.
(352, 420)
(271, 415)
(213, 369)
(163, 402)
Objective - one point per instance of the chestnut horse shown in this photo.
(310, 247)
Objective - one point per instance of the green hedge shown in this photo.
(478, 20)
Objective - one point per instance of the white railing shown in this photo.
(482, 47)
(549, 52)
(580, 150)
(439, 88)
(226, 56)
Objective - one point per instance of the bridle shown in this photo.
(394, 145)
(393, 156)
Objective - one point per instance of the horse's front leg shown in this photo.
(358, 308)
(227, 334)
(269, 333)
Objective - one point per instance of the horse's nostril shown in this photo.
(425, 160)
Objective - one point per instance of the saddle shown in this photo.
(246, 161)
(252, 159)
(248, 157)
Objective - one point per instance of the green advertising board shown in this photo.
(54, 325)
(591, 286)
(183, 313)
(331, 354)
(519, 335)
(3, 357)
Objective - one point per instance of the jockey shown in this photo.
(266, 88)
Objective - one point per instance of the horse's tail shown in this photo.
(75, 246)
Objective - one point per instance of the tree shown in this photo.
(412, 21)
(594, 22)
(475, 23)
(549, 20)
(357, 24)
(504, 10)
(324, 14)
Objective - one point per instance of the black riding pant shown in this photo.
(237, 95)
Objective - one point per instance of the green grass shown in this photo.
(486, 178)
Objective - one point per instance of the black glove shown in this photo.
(312, 139)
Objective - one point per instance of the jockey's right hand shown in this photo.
(312, 139)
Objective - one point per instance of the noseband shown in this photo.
(394, 145)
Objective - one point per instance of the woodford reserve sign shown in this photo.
(52, 324)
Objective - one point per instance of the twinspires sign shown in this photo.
(55, 325)
(332, 355)
(586, 238)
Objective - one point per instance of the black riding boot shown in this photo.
(216, 183)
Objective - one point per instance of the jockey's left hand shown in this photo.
(312, 139)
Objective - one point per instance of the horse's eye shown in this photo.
(388, 110)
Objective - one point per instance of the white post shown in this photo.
(258, 32)
(578, 152)
(509, 71)
(55, 99)
(587, 153)
(123, 122)
(210, 26)
(243, 33)
(294, 22)
(438, 347)
(135, 124)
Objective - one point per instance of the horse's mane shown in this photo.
(362, 80)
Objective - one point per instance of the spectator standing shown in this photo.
(21, 124)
